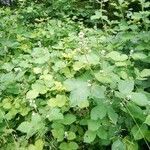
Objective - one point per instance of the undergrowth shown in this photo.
(75, 75)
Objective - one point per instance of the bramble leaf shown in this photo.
(118, 145)
(126, 87)
(32, 94)
(98, 112)
(89, 136)
(79, 92)
(139, 98)
(112, 115)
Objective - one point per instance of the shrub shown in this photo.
(67, 85)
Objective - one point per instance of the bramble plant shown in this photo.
(78, 79)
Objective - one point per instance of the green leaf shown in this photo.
(136, 111)
(37, 70)
(118, 145)
(103, 78)
(7, 105)
(98, 112)
(147, 121)
(71, 135)
(32, 94)
(73, 145)
(122, 63)
(55, 114)
(93, 125)
(40, 55)
(40, 87)
(137, 56)
(24, 127)
(130, 145)
(116, 56)
(13, 88)
(112, 115)
(89, 136)
(58, 134)
(91, 59)
(79, 92)
(126, 86)
(36, 125)
(98, 15)
(140, 99)
(102, 133)
(59, 101)
(78, 65)
(68, 146)
(145, 73)
(83, 104)
(69, 119)
(98, 91)
(39, 144)
(120, 1)
(139, 132)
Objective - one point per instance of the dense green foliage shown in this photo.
(74, 75)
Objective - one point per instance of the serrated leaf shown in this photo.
(98, 112)
(140, 99)
(89, 136)
(126, 86)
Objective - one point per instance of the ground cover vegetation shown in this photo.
(74, 74)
